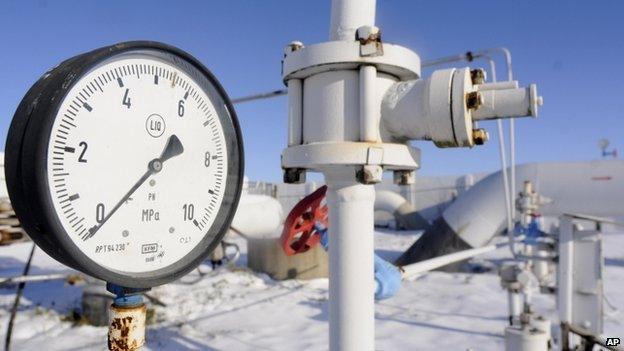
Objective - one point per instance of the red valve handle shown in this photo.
(299, 234)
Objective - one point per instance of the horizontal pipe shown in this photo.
(441, 261)
(498, 85)
(268, 95)
(598, 339)
(34, 278)
(507, 103)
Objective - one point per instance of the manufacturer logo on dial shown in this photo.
(155, 125)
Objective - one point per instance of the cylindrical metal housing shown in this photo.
(331, 105)
(525, 339)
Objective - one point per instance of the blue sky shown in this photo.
(573, 50)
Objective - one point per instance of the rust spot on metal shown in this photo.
(127, 328)
(123, 325)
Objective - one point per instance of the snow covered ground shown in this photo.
(236, 309)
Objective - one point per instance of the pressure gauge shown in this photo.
(126, 163)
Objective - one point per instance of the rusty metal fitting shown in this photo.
(370, 41)
(126, 329)
(294, 175)
(293, 46)
(369, 174)
(404, 177)
(480, 136)
(367, 34)
(474, 99)
(477, 76)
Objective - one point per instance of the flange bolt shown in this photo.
(293, 46)
(366, 34)
(294, 175)
(480, 136)
(474, 99)
(477, 76)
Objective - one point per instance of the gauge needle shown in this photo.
(173, 148)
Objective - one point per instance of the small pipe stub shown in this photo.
(127, 318)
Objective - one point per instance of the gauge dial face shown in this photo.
(126, 163)
(137, 163)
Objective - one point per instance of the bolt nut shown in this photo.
(480, 136)
(370, 174)
(294, 175)
(474, 99)
(293, 46)
(367, 34)
(404, 177)
(477, 76)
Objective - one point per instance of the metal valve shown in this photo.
(444, 107)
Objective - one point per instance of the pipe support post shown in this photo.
(351, 263)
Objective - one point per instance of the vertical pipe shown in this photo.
(351, 208)
(565, 269)
(501, 150)
(514, 305)
(369, 105)
(295, 112)
(351, 271)
(512, 138)
(348, 15)
(512, 165)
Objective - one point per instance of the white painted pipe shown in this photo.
(565, 283)
(348, 15)
(369, 107)
(295, 112)
(501, 151)
(505, 103)
(258, 216)
(389, 201)
(404, 213)
(441, 261)
(479, 213)
(515, 307)
(34, 278)
(496, 85)
(351, 270)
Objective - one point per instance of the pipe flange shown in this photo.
(316, 156)
(396, 60)
(462, 106)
